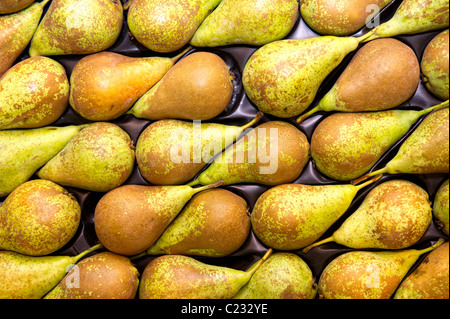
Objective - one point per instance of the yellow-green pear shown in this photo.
(441, 207)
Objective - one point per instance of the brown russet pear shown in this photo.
(441, 207)
(33, 93)
(172, 152)
(339, 18)
(198, 87)
(16, 31)
(214, 223)
(293, 216)
(11, 6)
(102, 276)
(430, 279)
(99, 158)
(394, 215)
(371, 134)
(368, 274)
(273, 153)
(31, 277)
(38, 218)
(184, 277)
(366, 83)
(130, 218)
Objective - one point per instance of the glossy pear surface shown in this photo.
(33, 93)
(247, 22)
(11, 6)
(38, 218)
(441, 207)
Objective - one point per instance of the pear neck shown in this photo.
(434, 108)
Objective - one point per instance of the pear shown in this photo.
(440, 207)
(282, 78)
(33, 93)
(25, 151)
(203, 84)
(339, 18)
(30, 277)
(366, 83)
(183, 277)
(172, 152)
(293, 216)
(273, 153)
(425, 151)
(38, 218)
(368, 274)
(167, 25)
(130, 218)
(99, 158)
(105, 85)
(434, 65)
(12, 6)
(77, 27)
(393, 215)
(281, 276)
(102, 276)
(430, 279)
(414, 17)
(215, 223)
(16, 31)
(371, 134)
(247, 22)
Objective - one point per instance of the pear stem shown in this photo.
(358, 180)
(432, 247)
(88, 251)
(257, 264)
(178, 56)
(144, 253)
(214, 185)
(305, 115)
(44, 2)
(359, 187)
(434, 108)
(127, 5)
(257, 118)
(368, 36)
(326, 240)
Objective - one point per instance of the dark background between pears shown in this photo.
(240, 111)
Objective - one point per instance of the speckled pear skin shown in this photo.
(16, 32)
(282, 78)
(430, 279)
(102, 276)
(167, 25)
(339, 18)
(33, 93)
(214, 223)
(12, 6)
(282, 276)
(247, 22)
(25, 151)
(440, 207)
(434, 65)
(38, 218)
(99, 158)
(30, 277)
(367, 274)
(77, 27)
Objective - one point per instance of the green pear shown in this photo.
(29, 277)
(356, 91)
(171, 152)
(38, 218)
(425, 151)
(430, 279)
(282, 78)
(393, 215)
(102, 276)
(247, 22)
(99, 158)
(273, 153)
(214, 223)
(371, 134)
(368, 274)
(78, 27)
(33, 93)
(293, 216)
(339, 18)
(25, 151)
(130, 218)
(183, 277)
(281, 276)
(167, 25)
(16, 31)
(12, 6)
(414, 17)
(440, 207)
(204, 86)
(434, 65)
